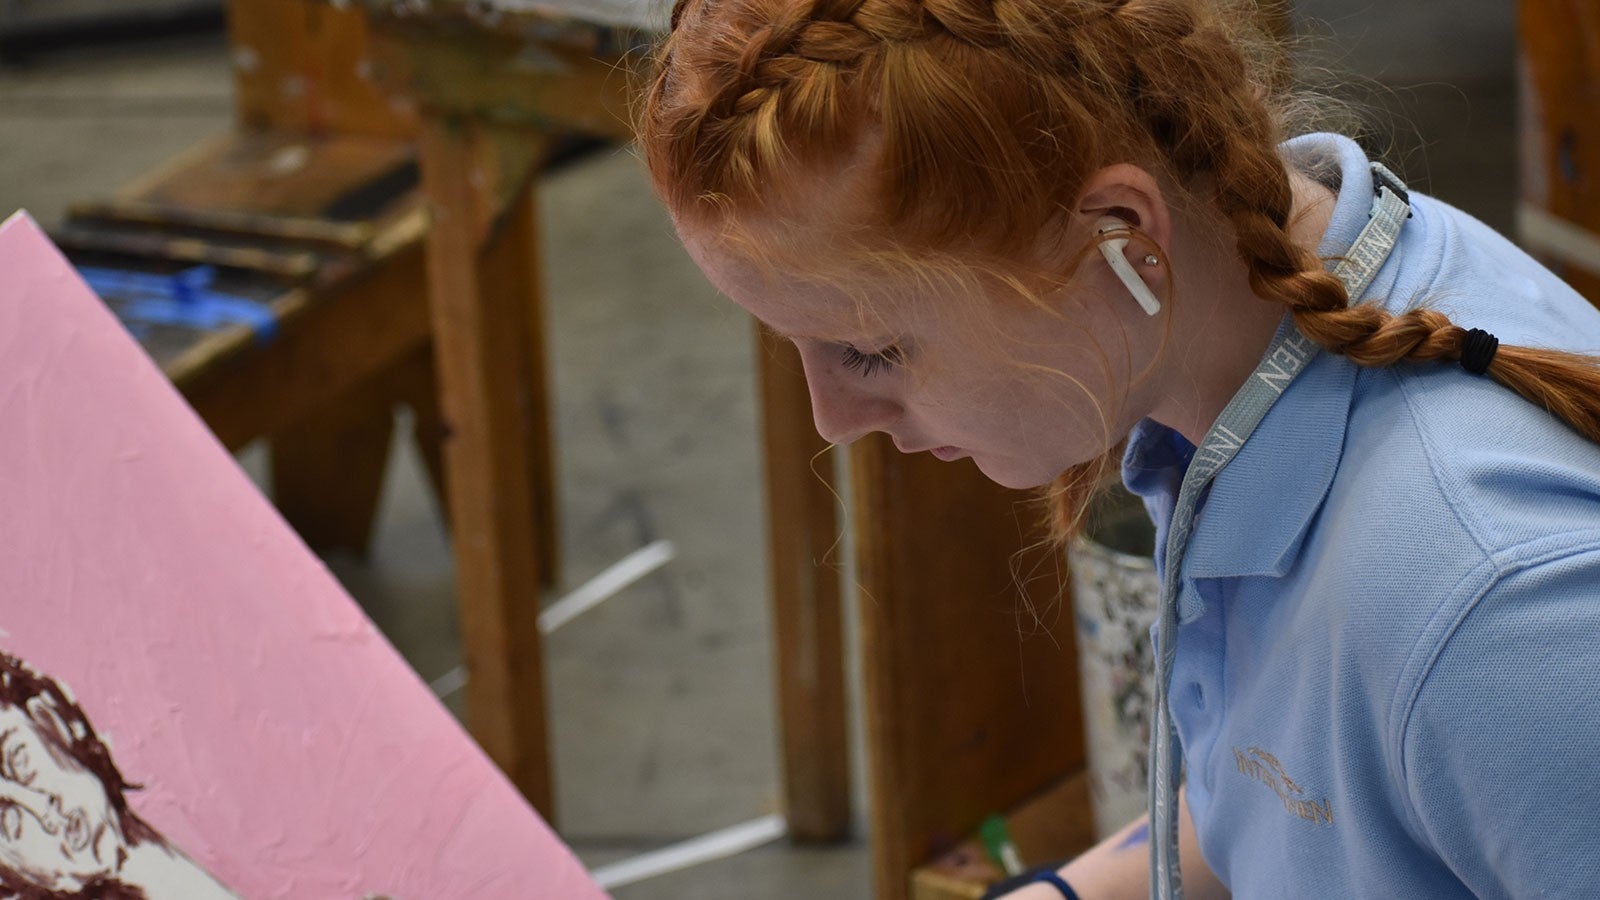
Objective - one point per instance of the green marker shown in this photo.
(997, 840)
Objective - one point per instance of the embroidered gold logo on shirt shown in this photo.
(1264, 767)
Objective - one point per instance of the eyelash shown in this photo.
(869, 364)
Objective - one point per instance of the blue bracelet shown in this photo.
(1050, 877)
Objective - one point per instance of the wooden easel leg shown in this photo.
(483, 279)
(806, 609)
(328, 468)
(417, 385)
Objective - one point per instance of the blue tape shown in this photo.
(184, 299)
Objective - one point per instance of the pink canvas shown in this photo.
(274, 742)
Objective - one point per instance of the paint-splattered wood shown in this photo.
(305, 67)
(540, 85)
(177, 348)
(1560, 71)
(972, 703)
(804, 550)
(331, 342)
(263, 182)
(323, 387)
(323, 233)
(293, 264)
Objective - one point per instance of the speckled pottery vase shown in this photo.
(1117, 596)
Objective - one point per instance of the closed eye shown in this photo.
(869, 364)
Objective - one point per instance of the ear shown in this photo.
(1133, 195)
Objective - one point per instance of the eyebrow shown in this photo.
(826, 339)
(793, 337)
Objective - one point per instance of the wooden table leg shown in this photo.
(965, 717)
(484, 293)
(328, 468)
(418, 388)
(806, 608)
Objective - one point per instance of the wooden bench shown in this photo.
(325, 234)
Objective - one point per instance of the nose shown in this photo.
(845, 405)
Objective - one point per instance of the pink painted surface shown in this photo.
(281, 741)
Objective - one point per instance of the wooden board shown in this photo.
(1058, 824)
(305, 66)
(642, 15)
(582, 85)
(486, 312)
(280, 175)
(803, 547)
(964, 716)
(1560, 67)
(328, 345)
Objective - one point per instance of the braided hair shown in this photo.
(987, 116)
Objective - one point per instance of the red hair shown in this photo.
(985, 118)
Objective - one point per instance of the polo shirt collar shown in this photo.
(1260, 506)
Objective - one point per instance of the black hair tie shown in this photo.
(1477, 350)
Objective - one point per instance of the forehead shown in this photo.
(794, 298)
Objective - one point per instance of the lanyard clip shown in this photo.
(1383, 178)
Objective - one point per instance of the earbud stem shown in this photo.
(1125, 272)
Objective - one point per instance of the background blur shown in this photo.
(661, 699)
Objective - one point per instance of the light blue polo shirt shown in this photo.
(1388, 674)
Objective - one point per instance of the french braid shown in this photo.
(989, 115)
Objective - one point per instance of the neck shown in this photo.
(164, 872)
(1220, 329)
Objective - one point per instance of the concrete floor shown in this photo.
(660, 700)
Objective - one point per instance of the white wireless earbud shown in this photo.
(1119, 263)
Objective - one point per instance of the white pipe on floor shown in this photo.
(607, 584)
(707, 848)
(592, 593)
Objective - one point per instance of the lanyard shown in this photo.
(1285, 358)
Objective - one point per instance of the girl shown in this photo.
(1059, 236)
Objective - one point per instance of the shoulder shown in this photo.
(1510, 470)
(1448, 260)
(1493, 530)
(1500, 734)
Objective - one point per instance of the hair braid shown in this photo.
(986, 117)
(1253, 191)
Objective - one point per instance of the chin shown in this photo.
(1012, 477)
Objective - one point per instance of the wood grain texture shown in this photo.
(328, 467)
(964, 716)
(305, 66)
(1560, 65)
(579, 86)
(483, 280)
(282, 175)
(1057, 824)
(803, 535)
(245, 390)
(642, 15)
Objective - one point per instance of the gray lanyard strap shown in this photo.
(1288, 355)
